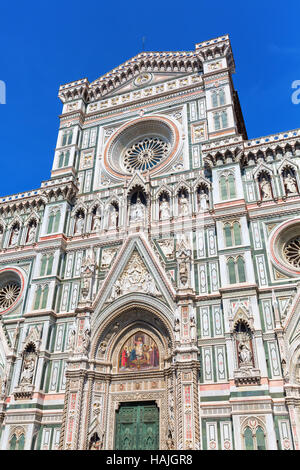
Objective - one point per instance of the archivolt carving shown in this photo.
(130, 311)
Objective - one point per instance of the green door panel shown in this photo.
(137, 427)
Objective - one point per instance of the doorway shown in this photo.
(137, 426)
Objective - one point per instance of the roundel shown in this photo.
(146, 144)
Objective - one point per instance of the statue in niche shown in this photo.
(245, 354)
(137, 211)
(86, 341)
(96, 223)
(114, 217)
(177, 329)
(184, 204)
(31, 234)
(290, 184)
(71, 339)
(164, 209)
(285, 372)
(202, 200)
(193, 328)
(14, 236)
(28, 369)
(183, 271)
(79, 224)
(266, 188)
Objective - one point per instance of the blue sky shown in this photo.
(46, 44)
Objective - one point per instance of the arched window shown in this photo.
(41, 297)
(220, 120)
(43, 265)
(236, 270)
(227, 186)
(67, 138)
(231, 271)
(56, 221)
(50, 223)
(260, 438)
(254, 437)
(17, 441)
(232, 234)
(228, 234)
(61, 160)
(50, 264)
(217, 121)
(45, 296)
(249, 443)
(218, 98)
(224, 118)
(21, 442)
(67, 158)
(37, 301)
(53, 222)
(241, 269)
(214, 99)
(237, 233)
(231, 184)
(221, 97)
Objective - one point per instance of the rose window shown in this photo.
(291, 251)
(145, 154)
(9, 293)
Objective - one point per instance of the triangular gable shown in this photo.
(136, 180)
(150, 80)
(136, 269)
(160, 66)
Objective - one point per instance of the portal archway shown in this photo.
(133, 370)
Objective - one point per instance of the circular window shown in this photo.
(291, 252)
(284, 246)
(145, 154)
(145, 144)
(10, 289)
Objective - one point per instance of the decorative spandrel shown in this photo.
(140, 352)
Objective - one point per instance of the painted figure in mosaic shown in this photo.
(139, 352)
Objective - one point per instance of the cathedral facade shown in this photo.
(149, 290)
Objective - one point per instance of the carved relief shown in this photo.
(135, 278)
